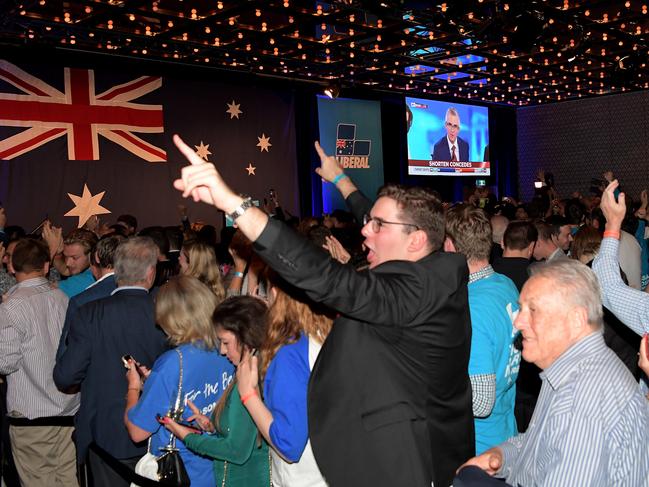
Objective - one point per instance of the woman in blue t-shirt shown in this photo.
(296, 330)
(184, 308)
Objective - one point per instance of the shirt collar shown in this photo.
(101, 279)
(33, 282)
(558, 373)
(486, 271)
(124, 288)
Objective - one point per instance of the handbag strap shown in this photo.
(180, 383)
(177, 411)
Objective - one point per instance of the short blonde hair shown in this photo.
(184, 308)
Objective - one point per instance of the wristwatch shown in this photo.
(245, 205)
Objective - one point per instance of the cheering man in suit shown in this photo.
(451, 147)
(389, 398)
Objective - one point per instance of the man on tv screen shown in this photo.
(451, 147)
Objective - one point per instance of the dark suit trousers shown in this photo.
(476, 477)
(102, 475)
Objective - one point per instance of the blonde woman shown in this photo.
(198, 259)
(184, 308)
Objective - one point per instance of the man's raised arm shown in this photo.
(203, 182)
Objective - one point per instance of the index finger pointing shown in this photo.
(320, 150)
(187, 151)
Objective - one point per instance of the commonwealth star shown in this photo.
(86, 205)
(264, 143)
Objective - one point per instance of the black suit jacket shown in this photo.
(516, 268)
(101, 332)
(442, 153)
(389, 397)
(100, 289)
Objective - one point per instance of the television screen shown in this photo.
(447, 139)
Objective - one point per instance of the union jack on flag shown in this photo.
(344, 147)
(79, 114)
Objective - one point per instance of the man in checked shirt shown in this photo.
(591, 422)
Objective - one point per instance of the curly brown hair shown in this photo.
(469, 229)
(290, 315)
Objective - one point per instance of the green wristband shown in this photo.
(337, 179)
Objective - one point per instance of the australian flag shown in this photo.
(62, 127)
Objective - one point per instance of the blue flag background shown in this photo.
(351, 129)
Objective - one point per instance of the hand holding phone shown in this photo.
(164, 420)
(126, 359)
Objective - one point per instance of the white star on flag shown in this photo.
(264, 143)
(202, 150)
(233, 109)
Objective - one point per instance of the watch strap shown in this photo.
(245, 205)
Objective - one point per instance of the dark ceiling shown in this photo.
(508, 52)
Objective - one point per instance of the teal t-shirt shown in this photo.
(76, 284)
(493, 302)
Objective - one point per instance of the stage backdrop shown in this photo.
(351, 129)
(62, 127)
(579, 140)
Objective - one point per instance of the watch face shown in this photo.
(245, 204)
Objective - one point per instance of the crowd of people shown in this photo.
(406, 342)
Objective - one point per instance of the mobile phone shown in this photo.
(125, 360)
(186, 424)
(538, 184)
(480, 183)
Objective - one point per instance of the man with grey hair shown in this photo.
(101, 332)
(591, 423)
(451, 147)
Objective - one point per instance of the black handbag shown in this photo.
(171, 468)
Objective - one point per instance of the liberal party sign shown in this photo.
(351, 129)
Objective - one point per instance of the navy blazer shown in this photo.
(100, 289)
(389, 399)
(101, 332)
(442, 153)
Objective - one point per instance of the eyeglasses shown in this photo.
(452, 125)
(377, 223)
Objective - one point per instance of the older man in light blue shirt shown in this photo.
(591, 423)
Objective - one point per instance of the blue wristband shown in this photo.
(238, 274)
(337, 179)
